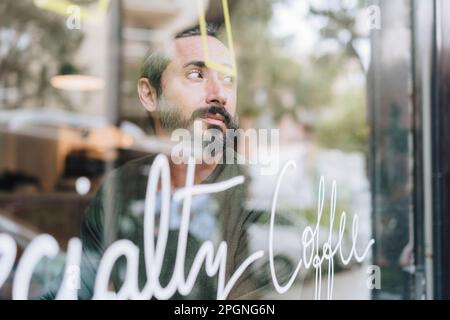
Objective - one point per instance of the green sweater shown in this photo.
(217, 217)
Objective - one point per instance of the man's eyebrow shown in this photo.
(201, 64)
(196, 63)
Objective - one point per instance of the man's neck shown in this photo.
(178, 173)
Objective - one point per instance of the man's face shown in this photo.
(192, 91)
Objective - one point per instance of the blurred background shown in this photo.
(357, 88)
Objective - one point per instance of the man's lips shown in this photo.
(216, 120)
(216, 116)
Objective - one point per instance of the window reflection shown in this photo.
(75, 163)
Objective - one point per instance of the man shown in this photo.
(176, 92)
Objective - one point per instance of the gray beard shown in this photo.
(171, 119)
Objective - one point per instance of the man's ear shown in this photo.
(147, 94)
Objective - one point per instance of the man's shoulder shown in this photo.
(135, 166)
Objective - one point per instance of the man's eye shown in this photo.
(194, 74)
(228, 79)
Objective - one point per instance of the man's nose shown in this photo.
(215, 93)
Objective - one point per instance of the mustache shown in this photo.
(203, 112)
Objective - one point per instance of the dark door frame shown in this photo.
(440, 121)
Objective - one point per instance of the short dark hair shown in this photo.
(156, 62)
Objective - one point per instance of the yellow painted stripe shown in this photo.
(203, 32)
(62, 7)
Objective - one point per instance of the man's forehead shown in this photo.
(191, 49)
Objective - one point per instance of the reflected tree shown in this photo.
(35, 43)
